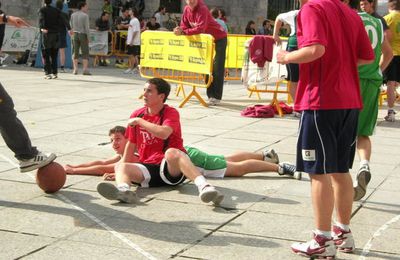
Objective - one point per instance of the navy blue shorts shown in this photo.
(327, 141)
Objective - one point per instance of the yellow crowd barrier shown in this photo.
(185, 60)
(235, 55)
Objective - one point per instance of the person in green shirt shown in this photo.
(371, 79)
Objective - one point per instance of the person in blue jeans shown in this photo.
(11, 128)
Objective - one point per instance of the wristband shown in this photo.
(5, 19)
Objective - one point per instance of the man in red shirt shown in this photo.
(332, 42)
(197, 19)
(154, 132)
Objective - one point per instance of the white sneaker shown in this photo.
(128, 71)
(48, 76)
(319, 247)
(208, 193)
(40, 160)
(391, 116)
(271, 156)
(110, 192)
(213, 101)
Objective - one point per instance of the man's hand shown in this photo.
(69, 169)
(178, 31)
(109, 176)
(281, 57)
(134, 121)
(16, 21)
(277, 40)
(44, 30)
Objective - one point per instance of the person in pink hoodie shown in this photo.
(197, 19)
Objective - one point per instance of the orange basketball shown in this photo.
(51, 177)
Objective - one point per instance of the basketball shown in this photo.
(51, 177)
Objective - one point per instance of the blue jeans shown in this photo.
(12, 130)
(217, 85)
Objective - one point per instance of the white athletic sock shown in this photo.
(343, 226)
(200, 182)
(364, 162)
(123, 187)
(326, 234)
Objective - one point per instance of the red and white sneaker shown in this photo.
(320, 247)
(343, 240)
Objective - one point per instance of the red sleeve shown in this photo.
(184, 21)
(201, 21)
(365, 51)
(311, 29)
(171, 119)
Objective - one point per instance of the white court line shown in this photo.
(379, 232)
(95, 219)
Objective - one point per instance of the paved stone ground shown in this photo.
(259, 219)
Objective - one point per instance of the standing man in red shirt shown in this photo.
(197, 19)
(154, 132)
(332, 42)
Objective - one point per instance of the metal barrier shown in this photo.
(235, 55)
(265, 80)
(185, 60)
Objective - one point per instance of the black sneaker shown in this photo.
(288, 169)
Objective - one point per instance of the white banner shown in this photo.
(98, 42)
(20, 39)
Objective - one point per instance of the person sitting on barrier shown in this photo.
(292, 69)
(154, 131)
(103, 24)
(209, 165)
(197, 19)
(121, 24)
(133, 42)
(152, 24)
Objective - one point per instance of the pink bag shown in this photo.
(258, 111)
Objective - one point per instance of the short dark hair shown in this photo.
(162, 86)
(394, 4)
(47, 2)
(81, 4)
(135, 12)
(60, 4)
(117, 129)
(214, 12)
(104, 13)
(355, 4)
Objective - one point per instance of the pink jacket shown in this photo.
(199, 20)
(261, 49)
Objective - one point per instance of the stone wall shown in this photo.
(238, 12)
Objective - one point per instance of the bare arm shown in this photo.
(14, 20)
(277, 28)
(96, 170)
(159, 131)
(111, 160)
(303, 55)
(387, 54)
(129, 153)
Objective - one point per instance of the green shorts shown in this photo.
(80, 41)
(209, 165)
(368, 115)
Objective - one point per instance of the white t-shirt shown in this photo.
(134, 26)
(160, 18)
(289, 18)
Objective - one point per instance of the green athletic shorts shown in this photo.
(367, 119)
(209, 165)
